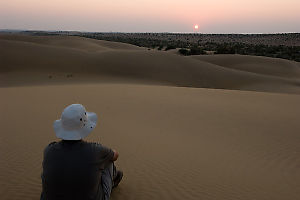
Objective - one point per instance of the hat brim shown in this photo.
(76, 134)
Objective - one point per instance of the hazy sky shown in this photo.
(212, 16)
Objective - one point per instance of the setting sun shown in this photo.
(196, 27)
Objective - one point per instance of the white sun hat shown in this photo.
(75, 123)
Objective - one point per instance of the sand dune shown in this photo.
(256, 64)
(70, 42)
(174, 142)
(103, 61)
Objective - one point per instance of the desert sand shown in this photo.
(239, 140)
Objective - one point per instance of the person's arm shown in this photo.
(116, 155)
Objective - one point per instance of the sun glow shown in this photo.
(196, 27)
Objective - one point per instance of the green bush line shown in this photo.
(285, 52)
(186, 49)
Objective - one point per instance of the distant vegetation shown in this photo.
(281, 51)
(199, 48)
(286, 46)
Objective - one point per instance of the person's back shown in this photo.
(75, 169)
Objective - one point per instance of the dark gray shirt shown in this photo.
(72, 170)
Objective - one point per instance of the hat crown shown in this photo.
(74, 117)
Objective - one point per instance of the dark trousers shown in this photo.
(107, 177)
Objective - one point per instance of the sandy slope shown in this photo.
(70, 42)
(256, 64)
(101, 61)
(175, 143)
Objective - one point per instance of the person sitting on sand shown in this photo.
(73, 168)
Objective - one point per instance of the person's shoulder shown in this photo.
(52, 143)
(50, 146)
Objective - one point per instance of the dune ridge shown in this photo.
(102, 61)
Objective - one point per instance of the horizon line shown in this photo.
(39, 30)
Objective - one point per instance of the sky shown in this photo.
(212, 16)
